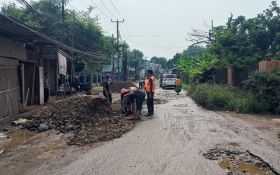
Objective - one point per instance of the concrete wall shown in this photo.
(15, 49)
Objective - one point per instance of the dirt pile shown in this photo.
(88, 120)
(116, 87)
(236, 161)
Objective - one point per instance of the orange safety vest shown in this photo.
(147, 84)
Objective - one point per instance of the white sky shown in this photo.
(159, 27)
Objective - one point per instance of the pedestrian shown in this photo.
(178, 84)
(46, 88)
(150, 87)
(106, 88)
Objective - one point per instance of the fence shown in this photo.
(9, 88)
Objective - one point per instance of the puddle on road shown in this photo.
(17, 138)
(235, 160)
(233, 144)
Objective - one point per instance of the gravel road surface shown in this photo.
(171, 143)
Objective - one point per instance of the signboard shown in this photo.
(62, 64)
(106, 68)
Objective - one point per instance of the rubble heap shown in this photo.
(116, 87)
(88, 120)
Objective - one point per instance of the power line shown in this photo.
(104, 5)
(100, 10)
(116, 9)
(55, 20)
(152, 35)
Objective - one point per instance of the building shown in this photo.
(25, 56)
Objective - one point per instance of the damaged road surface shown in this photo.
(182, 138)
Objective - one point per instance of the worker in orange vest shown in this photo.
(150, 87)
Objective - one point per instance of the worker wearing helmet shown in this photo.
(106, 88)
(131, 95)
(150, 87)
(127, 102)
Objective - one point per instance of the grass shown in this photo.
(216, 97)
(186, 86)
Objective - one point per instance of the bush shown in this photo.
(266, 89)
(215, 97)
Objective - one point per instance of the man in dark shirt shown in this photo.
(106, 88)
(150, 87)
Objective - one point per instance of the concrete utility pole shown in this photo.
(113, 61)
(118, 44)
(124, 62)
(63, 2)
(135, 66)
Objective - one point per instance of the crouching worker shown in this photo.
(132, 95)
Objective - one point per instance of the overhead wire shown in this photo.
(108, 10)
(54, 19)
(116, 9)
(98, 8)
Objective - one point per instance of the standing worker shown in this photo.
(106, 88)
(150, 87)
(178, 84)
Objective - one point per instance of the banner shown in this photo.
(62, 64)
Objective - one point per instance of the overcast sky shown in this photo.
(159, 27)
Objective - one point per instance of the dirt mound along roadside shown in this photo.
(116, 87)
(88, 119)
(236, 160)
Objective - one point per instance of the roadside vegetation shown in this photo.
(238, 44)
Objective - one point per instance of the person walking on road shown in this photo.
(106, 88)
(178, 84)
(150, 87)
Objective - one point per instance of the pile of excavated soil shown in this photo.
(116, 87)
(87, 119)
(238, 161)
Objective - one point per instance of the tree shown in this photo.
(194, 51)
(80, 30)
(135, 59)
(160, 60)
(242, 41)
(171, 64)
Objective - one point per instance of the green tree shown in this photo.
(136, 60)
(79, 29)
(160, 60)
(194, 51)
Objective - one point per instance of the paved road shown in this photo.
(172, 143)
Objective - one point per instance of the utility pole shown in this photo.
(135, 66)
(124, 61)
(63, 2)
(113, 61)
(118, 44)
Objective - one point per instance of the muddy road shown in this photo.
(176, 142)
